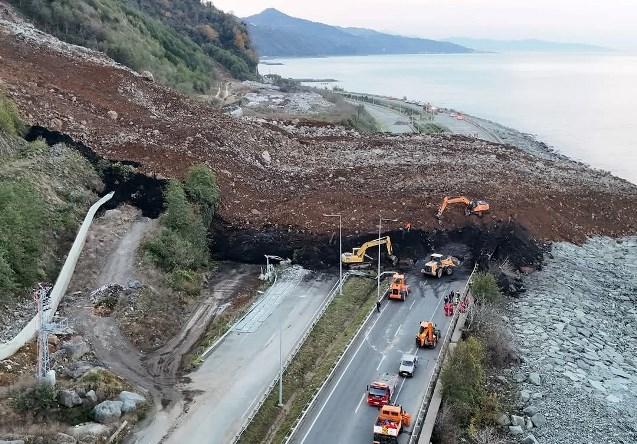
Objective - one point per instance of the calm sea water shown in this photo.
(583, 105)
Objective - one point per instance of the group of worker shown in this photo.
(452, 300)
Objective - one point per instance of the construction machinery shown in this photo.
(381, 390)
(439, 265)
(398, 289)
(428, 335)
(477, 207)
(359, 256)
(391, 421)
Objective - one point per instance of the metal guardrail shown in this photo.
(310, 404)
(424, 406)
(333, 292)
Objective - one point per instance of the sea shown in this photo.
(583, 105)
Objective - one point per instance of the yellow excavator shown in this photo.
(478, 207)
(359, 256)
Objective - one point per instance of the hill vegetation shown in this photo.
(277, 34)
(184, 44)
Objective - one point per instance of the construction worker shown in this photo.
(378, 306)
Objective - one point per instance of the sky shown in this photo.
(611, 23)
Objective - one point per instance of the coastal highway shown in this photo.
(341, 413)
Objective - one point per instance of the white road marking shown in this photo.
(360, 403)
(381, 361)
(397, 330)
(399, 390)
(412, 304)
(318, 415)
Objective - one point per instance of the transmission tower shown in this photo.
(42, 298)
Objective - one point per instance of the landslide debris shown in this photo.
(403, 176)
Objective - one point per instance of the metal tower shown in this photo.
(42, 299)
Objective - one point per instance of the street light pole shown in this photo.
(280, 364)
(340, 251)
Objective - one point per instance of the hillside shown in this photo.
(185, 44)
(527, 45)
(277, 34)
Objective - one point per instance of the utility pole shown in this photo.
(380, 223)
(281, 364)
(340, 251)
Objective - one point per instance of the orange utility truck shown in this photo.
(391, 421)
(428, 335)
(398, 290)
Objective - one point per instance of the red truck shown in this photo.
(381, 390)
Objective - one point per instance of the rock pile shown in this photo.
(576, 330)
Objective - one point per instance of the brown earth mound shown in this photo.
(122, 116)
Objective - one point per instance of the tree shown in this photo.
(484, 288)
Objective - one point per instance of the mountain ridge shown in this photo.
(276, 34)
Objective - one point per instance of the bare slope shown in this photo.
(290, 187)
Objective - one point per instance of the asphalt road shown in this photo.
(235, 375)
(341, 414)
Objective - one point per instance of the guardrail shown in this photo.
(310, 404)
(333, 292)
(61, 284)
(424, 406)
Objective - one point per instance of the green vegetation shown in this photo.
(42, 198)
(314, 361)
(469, 410)
(10, 121)
(181, 43)
(431, 128)
(181, 247)
(35, 400)
(348, 115)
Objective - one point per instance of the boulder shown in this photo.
(534, 378)
(63, 438)
(112, 115)
(77, 369)
(525, 395)
(130, 401)
(503, 419)
(528, 424)
(515, 430)
(538, 420)
(76, 347)
(89, 432)
(134, 283)
(517, 420)
(530, 410)
(529, 439)
(266, 157)
(69, 398)
(148, 76)
(91, 396)
(107, 412)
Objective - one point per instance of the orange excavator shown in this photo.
(398, 288)
(478, 207)
(428, 335)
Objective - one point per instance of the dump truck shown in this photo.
(391, 421)
(439, 265)
(359, 258)
(381, 390)
(428, 335)
(398, 289)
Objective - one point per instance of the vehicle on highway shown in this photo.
(408, 364)
(390, 423)
(428, 335)
(439, 265)
(381, 390)
(398, 289)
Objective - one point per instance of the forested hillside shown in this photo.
(182, 43)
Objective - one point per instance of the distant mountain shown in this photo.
(528, 45)
(274, 33)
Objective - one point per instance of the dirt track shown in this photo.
(298, 180)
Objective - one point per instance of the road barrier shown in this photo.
(333, 292)
(424, 406)
(61, 284)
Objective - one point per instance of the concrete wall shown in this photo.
(61, 284)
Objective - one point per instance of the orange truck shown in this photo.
(381, 390)
(428, 335)
(391, 421)
(398, 289)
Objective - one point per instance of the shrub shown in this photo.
(484, 288)
(10, 121)
(185, 280)
(201, 186)
(38, 399)
(463, 379)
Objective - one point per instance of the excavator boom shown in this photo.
(357, 256)
(471, 206)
